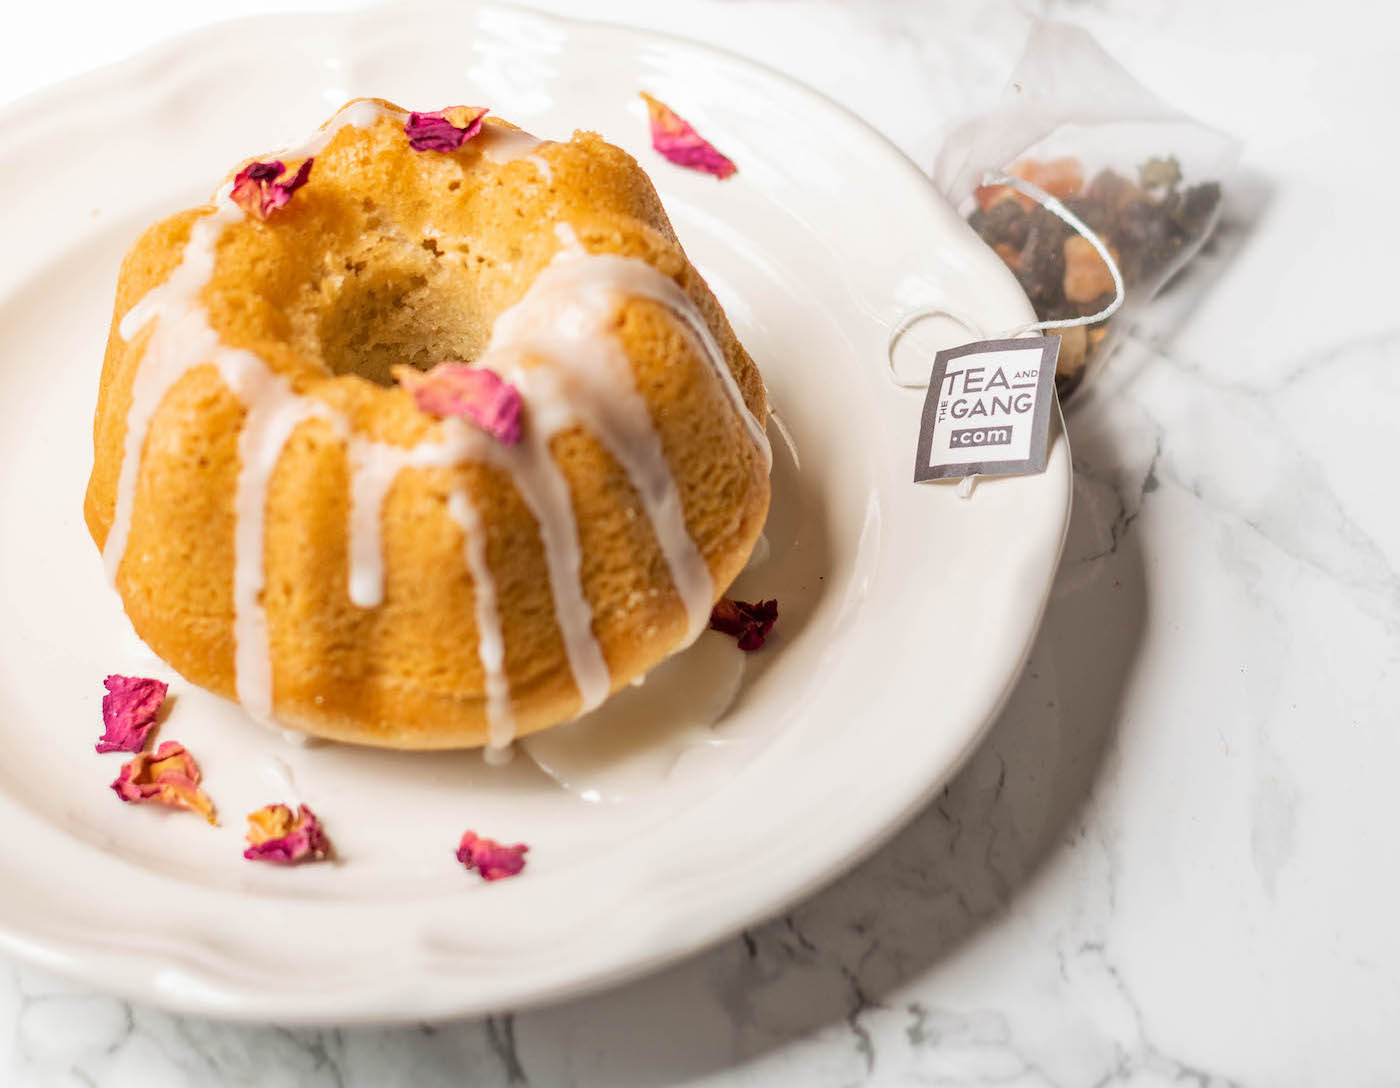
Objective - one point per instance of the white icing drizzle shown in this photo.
(370, 479)
(374, 466)
(361, 114)
(542, 485)
(634, 277)
(274, 413)
(502, 145)
(491, 647)
(185, 339)
(182, 340)
(568, 238)
(562, 321)
(564, 318)
(576, 270)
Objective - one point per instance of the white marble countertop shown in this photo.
(1167, 863)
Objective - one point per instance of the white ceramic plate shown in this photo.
(907, 612)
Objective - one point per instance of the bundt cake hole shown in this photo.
(388, 315)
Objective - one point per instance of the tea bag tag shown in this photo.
(987, 412)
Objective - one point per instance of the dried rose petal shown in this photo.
(468, 392)
(444, 130)
(129, 712)
(489, 858)
(275, 833)
(258, 192)
(681, 144)
(170, 776)
(749, 623)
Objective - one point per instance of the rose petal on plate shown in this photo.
(275, 833)
(168, 776)
(444, 130)
(466, 392)
(748, 623)
(490, 858)
(678, 141)
(258, 190)
(129, 712)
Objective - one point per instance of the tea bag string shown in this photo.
(1052, 205)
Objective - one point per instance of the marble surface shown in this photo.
(1167, 864)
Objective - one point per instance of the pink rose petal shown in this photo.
(258, 191)
(277, 834)
(749, 623)
(170, 776)
(129, 712)
(444, 130)
(467, 392)
(489, 858)
(674, 137)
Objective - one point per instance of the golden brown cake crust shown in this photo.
(391, 256)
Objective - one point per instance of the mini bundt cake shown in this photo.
(289, 525)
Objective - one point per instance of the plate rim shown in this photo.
(64, 955)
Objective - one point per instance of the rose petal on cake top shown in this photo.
(489, 858)
(129, 712)
(257, 190)
(275, 833)
(169, 776)
(466, 392)
(444, 130)
(678, 141)
(748, 623)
